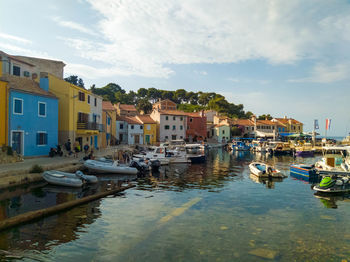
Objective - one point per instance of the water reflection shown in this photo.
(330, 200)
(269, 182)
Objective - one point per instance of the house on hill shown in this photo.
(165, 104)
(126, 110)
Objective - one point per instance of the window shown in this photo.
(181, 127)
(173, 137)
(81, 96)
(132, 126)
(82, 118)
(148, 127)
(188, 127)
(16, 70)
(181, 118)
(108, 120)
(121, 126)
(88, 99)
(174, 118)
(166, 137)
(223, 131)
(17, 106)
(181, 137)
(166, 127)
(191, 119)
(41, 138)
(42, 109)
(174, 127)
(94, 118)
(141, 126)
(95, 103)
(166, 118)
(26, 74)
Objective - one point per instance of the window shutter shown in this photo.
(45, 139)
(37, 138)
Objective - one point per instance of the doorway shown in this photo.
(137, 139)
(17, 142)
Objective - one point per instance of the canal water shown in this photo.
(214, 211)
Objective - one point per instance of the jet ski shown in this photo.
(333, 184)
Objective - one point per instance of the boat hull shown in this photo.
(62, 179)
(104, 168)
(197, 159)
(304, 172)
(304, 153)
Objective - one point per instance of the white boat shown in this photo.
(60, 178)
(335, 158)
(164, 155)
(108, 167)
(263, 170)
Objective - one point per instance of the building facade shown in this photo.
(165, 104)
(171, 124)
(222, 133)
(4, 113)
(33, 117)
(125, 110)
(135, 130)
(108, 117)
(196, 126)
(149, 129)
(121, 130)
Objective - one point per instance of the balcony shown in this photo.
(90, 126)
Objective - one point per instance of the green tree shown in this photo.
(73, 79)
(144, 105)
(263, 117)
(81, 83)
(142, 93)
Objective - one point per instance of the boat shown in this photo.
(195, 152)
(264, 170)
(60, 178)
(165, 156)
(304, 150)
(333, 184)
(280, 148)
(335, 158)
(115, 167)
(304, 172)
(269, 182)
(239, 146)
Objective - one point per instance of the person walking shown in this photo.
(68, 146)
(76, 147)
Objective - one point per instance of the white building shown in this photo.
(171, 124)
(135, 131)
(121, 130)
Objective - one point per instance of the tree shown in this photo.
(180, 95)
(263, 117)
(73, 79)
(236, 131)
(109, 91)
(142, 93)
(144, 105)
(81, 83)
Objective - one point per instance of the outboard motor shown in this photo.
(155, 165)
(138, 166)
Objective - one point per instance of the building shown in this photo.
(210, 115)
(10, 65)
(108, 118)
(95, 117)
(196, 126)
(222, 133)
(149, 129)
(135, 130)
(3, 113)
(74, 112)
(165, 104)
(288, 125)
(171, 124)
(32, 116)
(125, 110)
(45, 65)
(121, 130)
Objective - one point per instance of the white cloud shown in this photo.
(203, 73)
(145, 37)
(15, 38)
(73, 25)
(322, 73)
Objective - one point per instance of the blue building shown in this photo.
(33, 116)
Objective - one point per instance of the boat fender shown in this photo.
(345, 180)
(339, 182)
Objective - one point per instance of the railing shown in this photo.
(91, 126)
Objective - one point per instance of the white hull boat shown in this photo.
(103, 167)
(60, 178)
(263, 170)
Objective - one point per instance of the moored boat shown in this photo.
(333, 184)
(304, 172)
(115, 167)
(304, 150)
(264, 170)
(60, 178)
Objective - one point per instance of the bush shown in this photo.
(36, 169)
(3, 148)
(9, 151)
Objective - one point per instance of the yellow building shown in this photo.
(109, 114)
(3, 112)
(79, 112)
(291, 125)
(149, 129)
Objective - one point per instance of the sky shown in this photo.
(284, 58)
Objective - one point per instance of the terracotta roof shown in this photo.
(173, 112)
(165, 100)
(194, 114)
(25, 85)
(39, 59)
(265, 122)
(106, 105)
(127, 107)
(146, 119)
(223, 124)
(120, 118)
(243, 122)
(286, 120)
(132, 120)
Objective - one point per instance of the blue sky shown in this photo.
(279, 57)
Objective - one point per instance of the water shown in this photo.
(210, 212)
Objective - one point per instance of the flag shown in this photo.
(316, 124)
(328, 123)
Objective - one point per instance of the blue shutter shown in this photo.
(37, 138)
(45, 139)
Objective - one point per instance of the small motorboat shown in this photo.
(304, 172)
(263, 170)
(109, 167)
(60, 178)
(333, 184)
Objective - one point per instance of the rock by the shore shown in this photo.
(264, 253)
